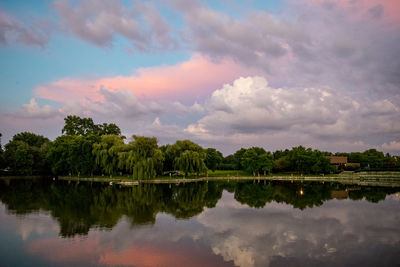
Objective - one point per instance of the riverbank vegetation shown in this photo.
(88, 149)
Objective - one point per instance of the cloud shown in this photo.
(310, 44)
(12, 30)
(97, 22)
(189, 80)
(324, 234)
(255, 40)
(387, 9)
(393, 146)
(33, 110)
(251, 109)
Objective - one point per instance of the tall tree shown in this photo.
(213, 158)
(75, 125)
(25, 154)
(107, 129)
(72, 154)
(308, 161)
(188, 157)
(106, 153)
(238, 158)
(143, 158)
(256, 160)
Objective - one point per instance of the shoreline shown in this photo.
(383, 179)
(387, 179)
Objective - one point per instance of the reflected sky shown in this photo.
(337, 233)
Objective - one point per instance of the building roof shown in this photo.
(338, 160)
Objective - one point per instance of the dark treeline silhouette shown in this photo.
(87, 149)
(78, 207)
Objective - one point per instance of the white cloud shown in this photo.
(250, 108)
(33, 110)
(196, 107)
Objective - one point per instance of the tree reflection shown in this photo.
(78, 207)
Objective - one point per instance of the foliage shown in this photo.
(106, 153)
(238, 156)
(372, 159)
(72, 154)
(168, 163)
(188, 157)
(86, 148)
(145, 158)
(31, 139)
(75, 125)
(25, 154)
(191, 161)
(307, 160)
(257, 160)
(213, 158)
(228, 163)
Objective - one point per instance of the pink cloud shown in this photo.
(91, 251)
(155, 256)
(391, 146)
(56, 250)
(192, 79)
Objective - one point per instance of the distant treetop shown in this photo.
(75, 125)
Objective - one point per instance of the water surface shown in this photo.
(54, 223)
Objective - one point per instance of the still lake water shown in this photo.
(56, 223)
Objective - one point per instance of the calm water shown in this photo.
(45, 223)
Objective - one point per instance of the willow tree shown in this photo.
(106, 152)
(188, 157)
(142, 158)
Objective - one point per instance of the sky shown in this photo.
(226, 74)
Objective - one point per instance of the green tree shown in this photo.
(256, 160)
(308, 161)
(188, 157)
(144, 158)
(72, 154)
(282, 164)
(107, 129)
(25, 154)
(374, 158)
(106, 153)
(228, 163)
(213, 158)
(168, 163)
(75, 125)
(239, 158)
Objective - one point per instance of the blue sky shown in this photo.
(313, 72)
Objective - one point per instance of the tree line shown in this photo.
(87, 149)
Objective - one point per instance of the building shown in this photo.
(338, 161)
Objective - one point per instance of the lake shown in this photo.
(249, 223)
